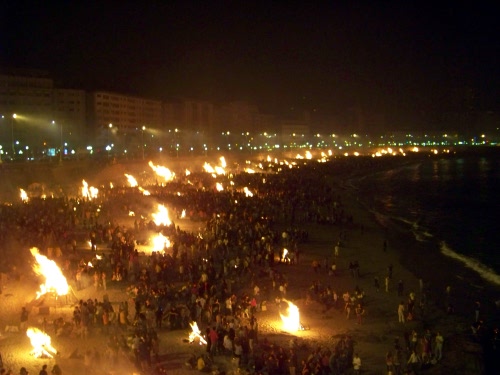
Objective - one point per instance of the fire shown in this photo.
(24, 195)
(285, 253)
(131, 213)
(54, 279)
(89, 264)
(219, 186)
(41, 343)
(89, 192)
(291, 318)
(160, 242)
(196, 333)
(161, 216)
(249, 170)
(164, 172)
(144, 191)
(183, 214)
(188, 172)
(131, 180)
(247, 192)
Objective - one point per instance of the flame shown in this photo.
(248, 193)
(41, 343)
(196, 333)
(143, 191)
(54, 279)
(164, 172)
(183, 214)
(188, 172)
(87, 192)
(291, 318)
(98, 257)
(222, 161)
(161, 216)
(285, 253)
(219, 186)
(131, 213)
(131, 180)
(249, 170)
(89, 264)
(24, 195)
(160, 242)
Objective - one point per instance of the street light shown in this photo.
(143, 128)
(62, 145)
(12, 134)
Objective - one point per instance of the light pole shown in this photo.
(143, 128)
(61, 141)
(12, 134)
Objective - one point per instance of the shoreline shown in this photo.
(364, 243)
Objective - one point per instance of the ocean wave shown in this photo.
(484, 271)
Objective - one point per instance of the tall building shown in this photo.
(69, 113)
(125, 113)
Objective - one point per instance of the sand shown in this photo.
(374, 337)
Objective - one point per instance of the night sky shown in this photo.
(398, 58)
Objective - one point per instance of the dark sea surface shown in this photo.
(450, 204)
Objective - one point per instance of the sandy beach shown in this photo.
(361, 241)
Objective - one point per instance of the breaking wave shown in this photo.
(484, 271)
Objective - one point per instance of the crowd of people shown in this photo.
(219, 277)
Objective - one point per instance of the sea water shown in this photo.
(451, 202)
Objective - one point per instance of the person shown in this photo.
(23, 371)
(401, 312)
(356, 363)
(24, 319)
(43, 371)
(359, 313)
(438, 348)
(414, 361)
(292, 362)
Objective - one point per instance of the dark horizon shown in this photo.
(397, 62)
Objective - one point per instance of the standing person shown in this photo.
(356, 364)
(43, 371)
(24, 319)
(359, 313)
(477, 310)
(401, 312)
(414, 362)
(292, 362)
(438, 349)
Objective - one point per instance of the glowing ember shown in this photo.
(41, 343)
(89, 192)
(291, 318)
(24, 195)
(196, 333)
(54, 279)
(164, 172)
(131, 180)
(160, 242)
(161, 216)
(219, 186)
